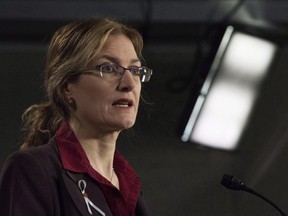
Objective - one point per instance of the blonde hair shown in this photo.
(72, 47)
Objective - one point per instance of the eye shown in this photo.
(107, 68)
(135, 70)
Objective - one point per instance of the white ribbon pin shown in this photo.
(82, 185)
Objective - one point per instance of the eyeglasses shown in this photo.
(115, 72)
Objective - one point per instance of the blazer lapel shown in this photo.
(75, 194)
(71, 182)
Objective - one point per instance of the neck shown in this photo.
(101, 158)
(100, 155)
(99, 149)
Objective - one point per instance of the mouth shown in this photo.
(124, 103)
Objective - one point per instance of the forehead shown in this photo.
(116, 40)
(118, 48)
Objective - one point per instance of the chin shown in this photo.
(127, 124)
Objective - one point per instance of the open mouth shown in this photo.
(123, 103)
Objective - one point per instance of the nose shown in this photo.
(127, 82)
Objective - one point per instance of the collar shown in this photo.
(74, 159)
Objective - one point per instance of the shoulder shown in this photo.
(30, 174)
(38, 158)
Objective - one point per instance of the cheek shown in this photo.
(89, 91)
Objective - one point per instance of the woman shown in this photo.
(93, 79)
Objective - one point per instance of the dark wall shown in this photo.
(20, 66)
(178, 178)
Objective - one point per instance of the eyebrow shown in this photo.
(116, 60)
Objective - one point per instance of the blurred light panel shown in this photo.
(229, 91)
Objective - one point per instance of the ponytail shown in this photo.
(40, 123)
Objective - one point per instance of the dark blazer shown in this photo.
(34, 183)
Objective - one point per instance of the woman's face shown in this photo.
(103, 103)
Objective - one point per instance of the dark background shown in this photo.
(178, 178)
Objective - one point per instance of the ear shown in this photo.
(67, 90)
